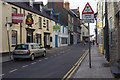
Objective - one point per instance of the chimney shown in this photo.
(78, 12)
(58, 2)
(67, 5)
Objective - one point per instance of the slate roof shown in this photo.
(35, 9)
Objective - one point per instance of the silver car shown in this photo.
(28, 50)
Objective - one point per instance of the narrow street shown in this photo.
(54, 65)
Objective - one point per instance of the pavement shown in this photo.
(100, 67)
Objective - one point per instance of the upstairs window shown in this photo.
(47, 25)
(14, 10)
(41, 8)
(40, 22)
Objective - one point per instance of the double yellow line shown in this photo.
(73, 69)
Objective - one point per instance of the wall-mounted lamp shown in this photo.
(5, 3)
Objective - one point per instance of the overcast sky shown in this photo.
(81, 3)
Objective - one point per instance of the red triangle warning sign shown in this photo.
(87, 9)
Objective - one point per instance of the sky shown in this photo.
(81, 3)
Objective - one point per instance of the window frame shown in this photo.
(12, 38)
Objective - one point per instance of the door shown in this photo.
(29, 36)
(56, 40)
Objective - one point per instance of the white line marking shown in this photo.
(33, 63)
(40, 60)
(46, 58)
(25, 66)
(2, 74)
(13, 70)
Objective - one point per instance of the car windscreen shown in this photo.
(21, 47)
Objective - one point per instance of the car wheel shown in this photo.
(32, 57)
(44, 54)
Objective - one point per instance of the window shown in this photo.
(33, 46)
(24, 13)
(72, 20)
(21, 47)
(68, 17)
(40, 22)
(14, 37)
(47, 25)
(111, 30)
(41, 8)
(64, 41)
(83, 34)
(14, 10)
(50, 39)
(38, 39)
(63, 29)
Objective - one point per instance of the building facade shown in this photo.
(114, 36)
(38, 30)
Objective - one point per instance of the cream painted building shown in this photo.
(84, 32)
(40, 32)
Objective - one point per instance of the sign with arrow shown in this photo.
(88, 14)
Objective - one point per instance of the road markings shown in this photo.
(25, 66)
(2, 74)
(73, 69)
(40, 60)
(13, 70)
(33, 63)
(46, 58)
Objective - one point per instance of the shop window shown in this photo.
(14, 10)
(14, 38)
(40, 22)
(64, 41)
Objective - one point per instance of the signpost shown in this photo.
(88, 17)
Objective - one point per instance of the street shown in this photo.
(55, 65)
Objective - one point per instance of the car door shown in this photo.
(34, 49)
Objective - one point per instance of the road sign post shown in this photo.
(88, 17)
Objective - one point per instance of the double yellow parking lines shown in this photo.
(73, 69)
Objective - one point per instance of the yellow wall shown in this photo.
(7, 12)
(0, 27)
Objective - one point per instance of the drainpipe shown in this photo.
(20, 30)
(107, 33)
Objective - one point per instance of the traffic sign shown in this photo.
(87, 16)
(87, 9)
(87, 20)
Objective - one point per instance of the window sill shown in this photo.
(13, 45)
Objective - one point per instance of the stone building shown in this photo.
(113, 10)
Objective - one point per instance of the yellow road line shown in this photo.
(76, 66)
(79, 61)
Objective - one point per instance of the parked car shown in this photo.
(28, 50)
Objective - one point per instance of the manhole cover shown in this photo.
(106, 65)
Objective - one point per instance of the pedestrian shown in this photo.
(93, 42)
